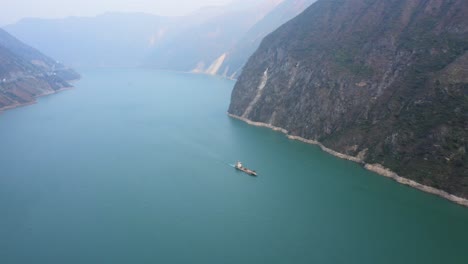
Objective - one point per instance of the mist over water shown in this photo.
(132, 167)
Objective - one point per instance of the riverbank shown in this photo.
(16, 105)
(377, 168)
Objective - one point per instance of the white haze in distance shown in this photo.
(13, 10)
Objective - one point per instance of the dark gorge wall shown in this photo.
(383, 80)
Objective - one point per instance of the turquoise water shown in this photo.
(132, 166)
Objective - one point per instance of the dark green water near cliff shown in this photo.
(132, 167)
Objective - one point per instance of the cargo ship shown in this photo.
(240, 167)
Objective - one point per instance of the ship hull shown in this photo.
(247, 171)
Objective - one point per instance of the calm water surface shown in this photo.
(132, 167)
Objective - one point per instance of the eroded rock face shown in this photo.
(382, 80)
(25, 73)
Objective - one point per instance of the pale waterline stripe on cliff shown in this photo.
(262, 85)
(377, 168)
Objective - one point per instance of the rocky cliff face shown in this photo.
(382, 80)
(237, 56)
(25, 73)
(228, 58)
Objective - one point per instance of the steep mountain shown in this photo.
(222, 45)
(246, 46)
(213, 40)
(201, 48)
(25, 73)
(116, 39)
(383, 81)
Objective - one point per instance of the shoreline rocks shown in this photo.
(376, 168)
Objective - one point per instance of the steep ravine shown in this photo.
(381, 82)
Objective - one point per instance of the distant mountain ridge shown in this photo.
(199, 48)
(25, 73)
(210, 56)
(384, 82)
(111, 39)
(213, 40)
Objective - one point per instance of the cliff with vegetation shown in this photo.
(237, 55)
(26, 74)
(382, 82)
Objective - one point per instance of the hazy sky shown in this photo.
(13, 10)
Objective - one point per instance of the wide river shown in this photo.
(132, 166)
